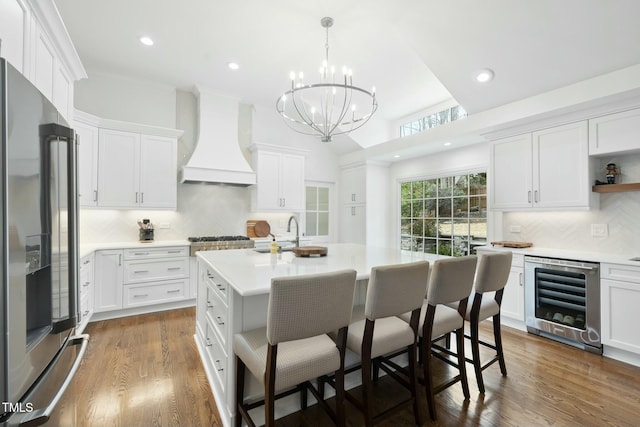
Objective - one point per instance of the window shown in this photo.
(432, 120)
(317, 211)
(445, 215)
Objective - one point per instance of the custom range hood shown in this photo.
(217, 157)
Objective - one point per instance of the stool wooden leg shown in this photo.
(269, 386)
(413, 373)
(497, 335)
(239, 390)
(475, 349)
(461, 362)
(367, 405)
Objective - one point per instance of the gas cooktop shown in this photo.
(217, 238)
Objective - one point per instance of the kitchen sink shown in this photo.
(267, 250)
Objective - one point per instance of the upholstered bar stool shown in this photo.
(491, 276)
(294, 346)
(450, 283)
(392, 290)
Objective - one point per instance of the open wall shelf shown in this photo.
(615, 188)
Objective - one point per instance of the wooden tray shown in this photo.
(306, 251)
(511, 244)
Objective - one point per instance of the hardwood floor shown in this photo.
(145, 371)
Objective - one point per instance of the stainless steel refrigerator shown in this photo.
(39, 353)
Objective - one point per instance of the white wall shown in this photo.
(203, 209)
(572, 230)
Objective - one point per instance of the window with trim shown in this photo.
(317, 211)
(445, 215)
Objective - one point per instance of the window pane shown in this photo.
(430, 246)
(323, 199)
(430, 229)
(417, 227)
(323, 223)
(444, 247)
(430, 208)
(310, 228)
(445, 228)
(405, 191)
(416, 209)
(444, 208)
(478, 206)
(444, 186)
(478, 229)
(405, 227)
(417, 188)
(312, 198)
(478, 183)
(461, 228)
(405, 209)
(460, 207)
(461, 184)
(431, 188)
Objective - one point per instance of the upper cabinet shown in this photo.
(34, 40)
(353, 182)
(615, 133)
(279, 178)
(548, 169)
(134, 168)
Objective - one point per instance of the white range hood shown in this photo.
(217, 157)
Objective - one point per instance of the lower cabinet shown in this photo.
(85, 292)
(130, 278)
(620, 299)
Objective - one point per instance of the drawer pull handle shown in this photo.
(175, 291)
(218, 363)
(86, 261)
(140, 271)
(85, 284)
(141, 295)
(141, 253)
(209, 304)
(174, 268)
(209, 343)
(219, 320)
(221, 287)
(174, 252)
(85, 313)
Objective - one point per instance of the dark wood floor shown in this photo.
(145, 371)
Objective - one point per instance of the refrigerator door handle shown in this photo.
(42, 415)
(49, 132)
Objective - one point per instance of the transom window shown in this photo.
(444, 215)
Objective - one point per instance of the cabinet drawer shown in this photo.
(517, 260)
(143, 253)
(217, 314)
(217, 356)
(218, 284)
(626, 273)
(157, 269)
(139, 295)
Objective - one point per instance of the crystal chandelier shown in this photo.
(332, 107)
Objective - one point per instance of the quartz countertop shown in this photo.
(87, 248)
(249, 272)
(602, 257)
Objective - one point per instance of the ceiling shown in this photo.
(417, 53)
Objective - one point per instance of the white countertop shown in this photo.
(250, 272)
(87, 248)
(568, 254)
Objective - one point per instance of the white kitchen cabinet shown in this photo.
(85, 292)
(353, 185)
(279, 179)
(87, 136)
(353, 226)
(620, 299)
(548, 169)
(108, 280)
(14, 32)
(136, 171)
(615, 133)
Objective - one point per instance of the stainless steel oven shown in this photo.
(562, 301)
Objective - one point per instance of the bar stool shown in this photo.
(491, 276)
(293, 348)
(450, 283)
(392, 290)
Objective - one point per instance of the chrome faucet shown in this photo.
(292, 217)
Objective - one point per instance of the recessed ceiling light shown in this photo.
(147, 41)
(485, 75)
(233, 65)
(396, 156)
(446, 144)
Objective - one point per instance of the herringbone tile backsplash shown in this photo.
(572, 230)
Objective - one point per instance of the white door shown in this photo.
(268, 181)
(118, 175)
(108, 281)
(513, 295)
(158, 172)
(353, 224)
(511, 173)
(292, 182)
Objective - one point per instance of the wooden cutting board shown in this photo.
(511, 244)
(258, 228)
(306, 251)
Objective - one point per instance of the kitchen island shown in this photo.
(233, 294)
